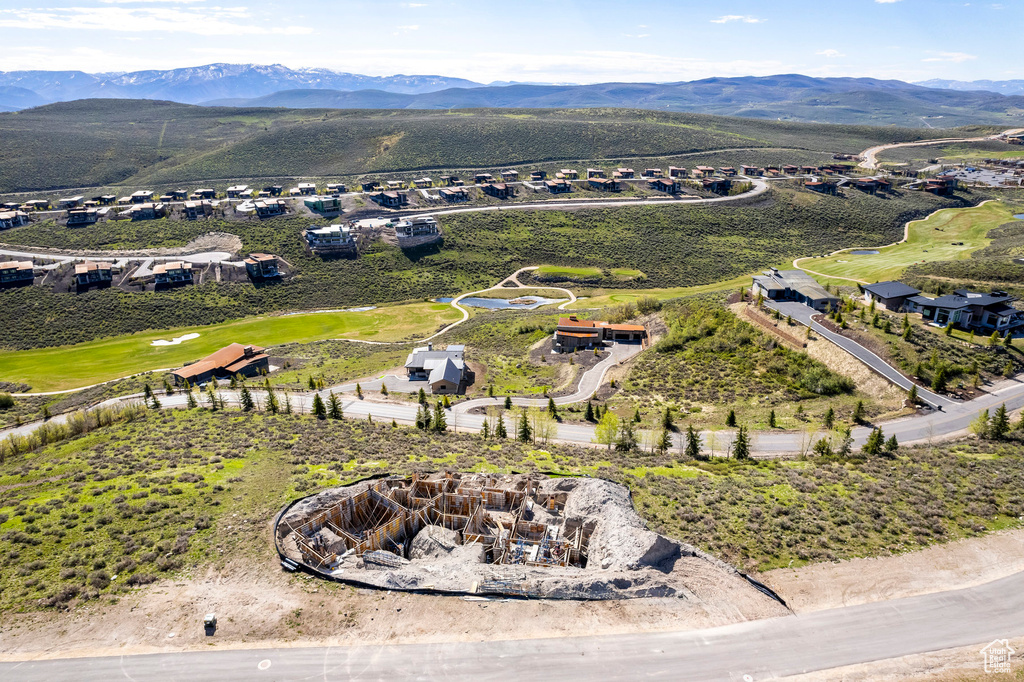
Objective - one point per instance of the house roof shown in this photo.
(579, 335)
(574, 322)
(229, 358)
(447, 370)
(16, 265)
(949, 301)
(625, 327)
(163, 268)
(976, 298)
(89, 266)
(1002, 309)
(890, 289)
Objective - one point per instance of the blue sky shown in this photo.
(526, 40)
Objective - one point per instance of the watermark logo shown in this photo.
(997, 656)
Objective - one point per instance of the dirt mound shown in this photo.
(433, 542)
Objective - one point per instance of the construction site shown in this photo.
(514, 535)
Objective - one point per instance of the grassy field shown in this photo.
(928, 240)
(96, 361)
(600, 298)
(106, 513)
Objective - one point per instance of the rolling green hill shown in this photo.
(137, 143)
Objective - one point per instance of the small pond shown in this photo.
(1019, 216)
(502, 304)
(864, 252)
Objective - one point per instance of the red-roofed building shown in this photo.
(573, 333)
(227, 362)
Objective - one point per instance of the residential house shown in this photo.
(423, 183)
(677, 172)
(321, 204)
(206, 193)
(558, 186)
(790, 169)
(166, 198)
(573, 333)
(653, 173)
(703, 171)
(228, 362)
(509, 175)
(626, 173)
(538, 175)
(106, 200)
(10, 206)
(15, 273)
(78, 217)
(569, 174)
(970, 310)
(307, 188)
(939, 187)
(869, 185)
(793, 285)
(9, 219)
(92, 273)
(390, 199)
(821, 186)
(668, 185)
(268, 208)
(450, 180)
(172, 273)
(235, 191)
(500, 190)
(330, 239)
(148, 211)
(143, 196)
(194, 210)
(889, 295)
(274, 190)
(370, 186)
(454, 195)
(483, 178)
(176, 195)
(396, 184)
(336, 188)
(808, 170)
(751, 171)
(260, 266)
(727, 171)
(604, 184)
(717, 185)
(595, 173)
(71, 202)
(417, 226)
(444, 371)
(38, 204)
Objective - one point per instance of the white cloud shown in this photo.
(413, 5)
(208, 21)
(139, 2)
(746, 19)
(637, 35)
(955, 57)
(830, 53)
(886, 2)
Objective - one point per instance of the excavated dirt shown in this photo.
(619, 559)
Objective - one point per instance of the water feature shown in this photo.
(502, 304)
(1019, 216)
(864, 252)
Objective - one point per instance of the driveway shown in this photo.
(803, 314)
(756, 650)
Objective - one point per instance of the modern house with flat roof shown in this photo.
(891, 296)
(172, 273)
(15, 273)
(454, 195)
(229, 361)
(9, 219)
(499, 190)
(330, 239)
(444, 371)
(261, 266)
(558, 186)
(417, 226)
(668, 185)
(142, 196)
(793, 285)
(970, 310)
(78, 217)
(307, 188)
(322, 204)
(573, 333)
(268, 208)
(91, 273)
(235, 191)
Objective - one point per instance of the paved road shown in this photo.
(804, 315)
(762, 650)
(870, 155)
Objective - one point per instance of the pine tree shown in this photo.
(887, 326)
(168, 389)
(192, 404)
(636, 416)
(500, 431)
(912, 394)
(892, 445)
(693, 443)
(486, 431)
(422, 397)
(1000, 425)
(1008, 340)
(286, 406)
(211, 396)
(980, 426)
(1008, 369)
(245, 399)
(311, 383)
(875, 443)
(830, 418)
(273, 406)
(490, 390)
(730, 420)
(627, 436)
(948, 331)
(440, 423)
(666, 420)
(147, 391)
(319, 410)
(154, 403)
(447, 402)
(874, 320)
(741, 446)
(508, 402)
(334, 407)
(359, 391)
(383, 390)
(589, 414)
(552, 410)
(939, 379)
(421, 422)
(664, 442)
(994, 339)
(858, 412)
(907, 333)
(523, 434)
(771, 419)
(845, 442)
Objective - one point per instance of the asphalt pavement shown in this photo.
(754, 650)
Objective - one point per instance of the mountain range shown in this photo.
(934, 104)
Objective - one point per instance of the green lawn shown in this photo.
(564, 271)
(65, 367)
(929, 240)
(598, 298)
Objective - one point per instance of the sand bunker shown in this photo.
(176, 340)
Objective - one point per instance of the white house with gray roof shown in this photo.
(444, 370)
(793, 285)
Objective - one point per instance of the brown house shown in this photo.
(703, 171)
(677, 172)
(16, 273)
(653, 173)
(261, 266)
(573, 333)
(77, 217)
(557, 186)
(390, 199)
(89, 273)
(227, 362)
(821, 187)
(604, 184)
(664, 185)
(499, 190)
(172, 273)
(455, 195)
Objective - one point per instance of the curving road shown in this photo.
(870, 155)
(755, 650)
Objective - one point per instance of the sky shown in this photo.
(560, 41)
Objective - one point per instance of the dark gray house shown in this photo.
(889, 295)
(793, 285)
(970, 310)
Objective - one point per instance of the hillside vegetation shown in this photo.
(672, 246)
(90, 143)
